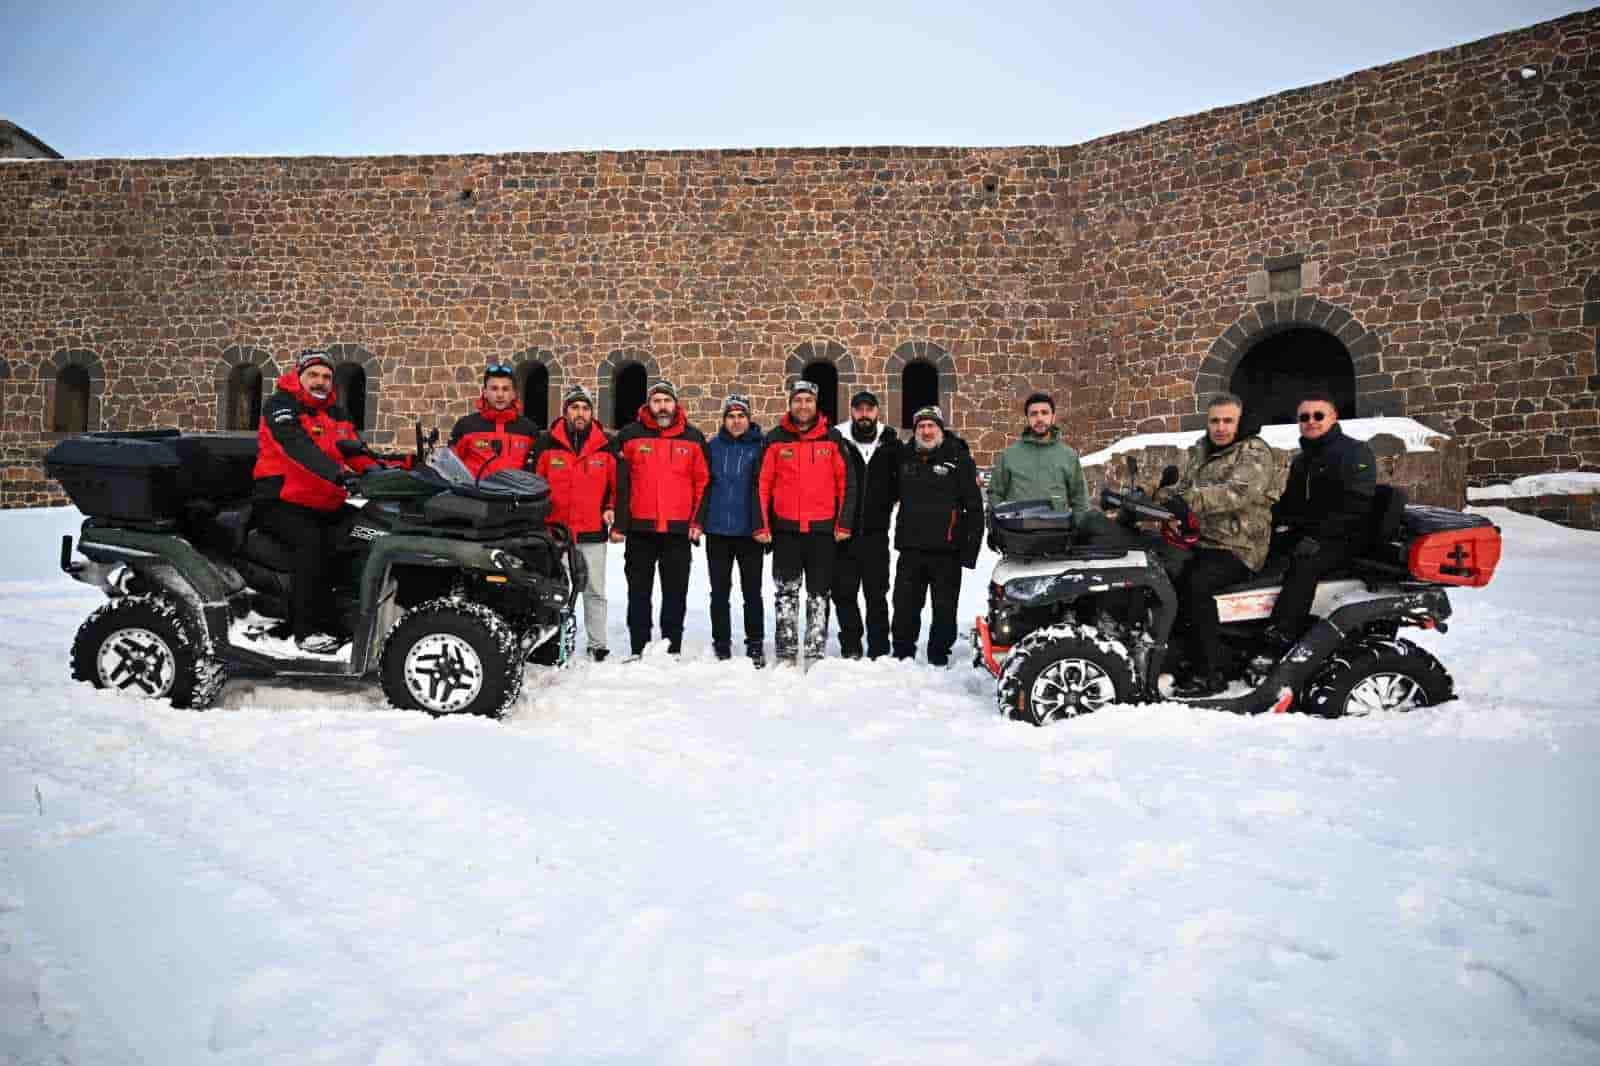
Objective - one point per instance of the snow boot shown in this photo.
(817, 609)
(786, 628)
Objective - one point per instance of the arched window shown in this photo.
(1282, 367)
(825, 376)
(919, 388)
(533, 387)
(243, 408)
(350, 384)
(628, 385)
(71, 409)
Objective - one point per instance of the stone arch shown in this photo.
(244, 378)
(606, 377)
(930, 354)
(845, 375)
(347, 360)
(1374, 391)
(544, 405)
(75, 383)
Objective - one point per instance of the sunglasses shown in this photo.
(1313, 416)
(499, 368)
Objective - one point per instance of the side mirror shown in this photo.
(1169, 476)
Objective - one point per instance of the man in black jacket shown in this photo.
(939, 530)
(861, 564)
(1327, 507)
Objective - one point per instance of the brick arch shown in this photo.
(920, 352)
(50, 374)
(1373, 390)
(832, 353)
(373, 368)
(606, 373)
(556, 377)
(234, 357)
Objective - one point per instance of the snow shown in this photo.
(1283, 436)
(690, 861)
(1571, 483)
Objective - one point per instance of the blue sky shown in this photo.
(143, 79)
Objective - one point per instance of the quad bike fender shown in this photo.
(1426, 607)
(163, 559)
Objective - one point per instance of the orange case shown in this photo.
(1456, 556)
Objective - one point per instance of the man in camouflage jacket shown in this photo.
(1225, 494)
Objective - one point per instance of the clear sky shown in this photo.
(160, 79)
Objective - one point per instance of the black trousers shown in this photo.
(1293, 609)
(861, 564)
(643, 555)
(916, 574)
(809, 553)
(721, 554)
(315, 538)
(1206, 571)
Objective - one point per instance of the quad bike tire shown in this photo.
(451, 656)
(1374, 675)
(1064, 671)
(148, 646)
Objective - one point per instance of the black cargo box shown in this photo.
(1030, 527)
(144, 478)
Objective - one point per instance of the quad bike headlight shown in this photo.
(1028, 589)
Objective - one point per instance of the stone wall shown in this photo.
(1577, 510)
(1440, 213)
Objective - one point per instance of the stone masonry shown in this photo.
(1440, 216)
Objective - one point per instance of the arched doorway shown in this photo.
(534, 391)
(243, 410)
(1281, 367)
(628, 385)
(919, 388)
(71, 410)
(350, 385)
(825, 376)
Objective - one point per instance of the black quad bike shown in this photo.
(1082, 615)
(444, 588)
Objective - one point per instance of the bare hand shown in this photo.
(694, 534)
(616, 536)
(608, 516)
(841, 535)
(763, 536)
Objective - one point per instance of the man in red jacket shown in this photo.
(803, 489)
(575, 457)
(299, 489)
(661, 495)
(495, 436)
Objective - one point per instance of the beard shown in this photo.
(864, 429)
(320, 393)
(664, 418)
(928, 446)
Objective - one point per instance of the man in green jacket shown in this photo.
(1038, 466)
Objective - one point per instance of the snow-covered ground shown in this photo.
(686, 861)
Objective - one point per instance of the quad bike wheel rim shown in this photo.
(1069, 687)
(138, 662)
(1385, 692)
(443, 672)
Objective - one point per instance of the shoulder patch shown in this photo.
(285, 415)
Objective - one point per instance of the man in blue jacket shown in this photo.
(735, 457)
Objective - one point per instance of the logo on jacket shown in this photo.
(644, 449)
(786, 453)
(556, 460)
(942, 468)
(482, 445)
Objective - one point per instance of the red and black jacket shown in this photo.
(474, 438)
(583, 481)
(661, 476)
(297, 451)
(805, 484)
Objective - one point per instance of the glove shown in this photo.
(1306, 547)
(1179, 508)
(351, 483)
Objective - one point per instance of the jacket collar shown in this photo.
(290, 382)
(752, 436)
(818, 430)
(648, 421)
(512, 412)
(594, 442)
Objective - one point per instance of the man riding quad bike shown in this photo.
(1081, 615)
(444, 586)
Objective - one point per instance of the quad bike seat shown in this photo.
(1384, 525)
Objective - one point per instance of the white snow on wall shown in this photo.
(1283, 436)
(1571, 483)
